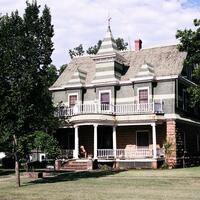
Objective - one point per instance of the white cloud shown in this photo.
(75, 22)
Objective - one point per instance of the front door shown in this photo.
(105, 137)
(142, 139)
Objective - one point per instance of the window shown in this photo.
(143, 95)
(142, 139)
(72, 100)
(104, 99)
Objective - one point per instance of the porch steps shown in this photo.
(77, 165)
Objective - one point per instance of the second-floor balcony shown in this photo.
(119, 109)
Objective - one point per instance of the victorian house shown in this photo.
(124, 107)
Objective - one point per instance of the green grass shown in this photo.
(134, 184)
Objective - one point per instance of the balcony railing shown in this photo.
(119, 109)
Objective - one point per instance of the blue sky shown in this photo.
(84, 21)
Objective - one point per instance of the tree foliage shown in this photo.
(52, 74)
(79, 50)
(25, 101)
(190, 42)
(121, 44)
(94, 49)
(62, 68)
(47, 144)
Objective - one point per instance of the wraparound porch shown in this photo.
(111, 142)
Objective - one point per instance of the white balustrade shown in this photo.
(125, 153)
(119, 109)
(105, 153)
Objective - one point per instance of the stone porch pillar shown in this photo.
(76, 143)
(95, 140)
(114, 142)
(153, 125)
(170, 153)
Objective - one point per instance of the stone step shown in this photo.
(75, 165)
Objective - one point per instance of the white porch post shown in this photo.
(154, 140)
(114, 141)
(95, 140)
(76, 149)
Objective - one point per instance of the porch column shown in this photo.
(154, 139)
(114, 141)
(76, 149)
(95, 140)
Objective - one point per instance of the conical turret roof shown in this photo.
(108, 45)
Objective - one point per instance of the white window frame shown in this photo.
(105, 91)
(142, 88)
(72, 94)
(138, 132)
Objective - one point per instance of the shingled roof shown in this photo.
(166, 61)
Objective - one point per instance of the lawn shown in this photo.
(134, 184)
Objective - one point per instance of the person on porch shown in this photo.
(83, 152)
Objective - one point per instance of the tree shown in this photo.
(47, 144)
(62, 68)
(52, 74)
(121, 45)
(94, 49)
(190, 42)
(25, 101)
(77, 51)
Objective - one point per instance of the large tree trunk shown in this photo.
(17, 172)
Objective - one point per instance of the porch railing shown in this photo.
(105, 153)
(67, 153)
(120, 153)
(137, 153)
(125, 153)
(119, 109)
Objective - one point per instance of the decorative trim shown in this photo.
(182, 78)
(104, 73)
(115, 82)
(177, 116)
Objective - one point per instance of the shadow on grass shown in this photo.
(72, 176)
(6, 172)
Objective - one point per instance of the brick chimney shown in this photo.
(138, 45)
